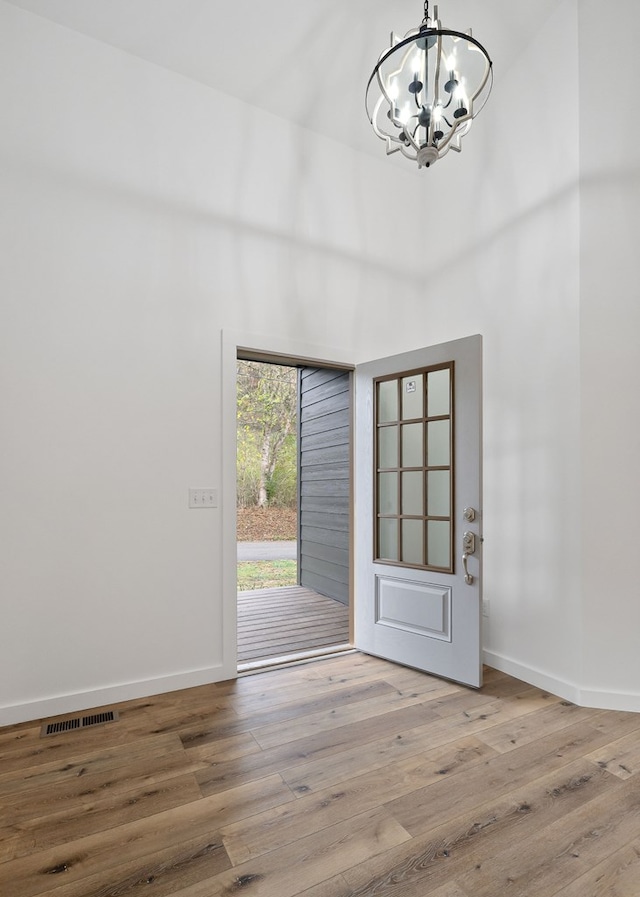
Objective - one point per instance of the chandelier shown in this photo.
(426, 89)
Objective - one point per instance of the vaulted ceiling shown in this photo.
(305, 60)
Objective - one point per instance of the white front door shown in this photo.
(418, 509)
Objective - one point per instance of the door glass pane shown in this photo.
(412, 452)
(387, 401)
(438, 543)
(438, 493)
(438, 451)
(412, 397)
(388, 447)
(412, 497)
(412, 542)
(388, 493)
(438, 392)
(410, 492)
(388, 538)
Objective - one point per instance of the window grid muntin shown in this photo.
(399, 423)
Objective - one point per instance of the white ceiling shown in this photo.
(305, 60)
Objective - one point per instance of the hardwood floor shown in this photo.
(286, 621)
(342, 777)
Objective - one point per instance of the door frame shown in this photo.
(278, 350)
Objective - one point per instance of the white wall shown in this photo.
(507, 247)
(610, 342)
(141, 214)
(532, 388)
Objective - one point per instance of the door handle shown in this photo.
(468, 548)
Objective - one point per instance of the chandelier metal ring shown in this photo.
(426, 89)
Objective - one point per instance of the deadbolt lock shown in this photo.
(469, 514)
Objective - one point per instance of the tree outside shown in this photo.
(266, 435)
(267, 401)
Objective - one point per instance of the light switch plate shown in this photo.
(203, 498)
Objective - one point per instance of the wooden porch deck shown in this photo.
(278, 623)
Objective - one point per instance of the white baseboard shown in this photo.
(62, 704)
(87, 700)
(532, 676)
(570, 691)
(609, 700)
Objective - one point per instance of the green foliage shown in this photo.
(266, 440)
(266, 574)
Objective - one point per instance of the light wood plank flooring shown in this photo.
(343, 777)
(286, 621)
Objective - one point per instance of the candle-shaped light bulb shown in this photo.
(438, 133)
(461, 98)
(392, 94)
(405, 114)
(452, 83)
(416, 84)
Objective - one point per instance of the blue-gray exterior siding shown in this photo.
(324, 432)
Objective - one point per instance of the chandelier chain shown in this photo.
(425, 21)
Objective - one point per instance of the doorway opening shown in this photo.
(293, 485)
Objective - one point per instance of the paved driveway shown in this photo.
(267, 551)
